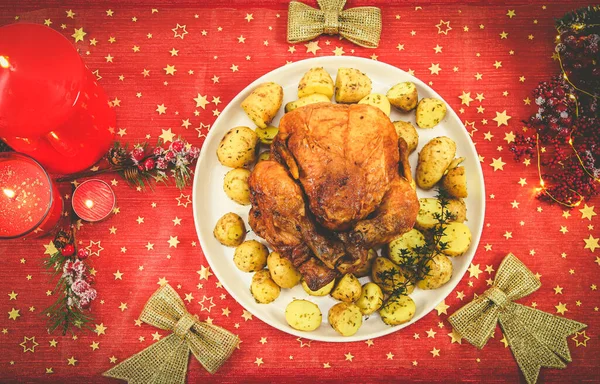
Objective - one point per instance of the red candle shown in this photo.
(29, 201)
(93, 200)
(51, 106)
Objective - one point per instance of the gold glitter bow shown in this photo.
(166, 361)
(360, 25)
(537, 339)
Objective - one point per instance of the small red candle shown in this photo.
(30, 203)
(93, 200)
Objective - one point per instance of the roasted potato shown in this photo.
(263, 288)
(408, 132)
(263, 103)
(345, 318)
(457, 237)
(266, 155)
(398, 310)
(316, 80)
(303, 315)
(430, 112)
(236, 187)
(377, 100)
(403, 245)
(370, 299)
(434, 159)
(440, 271)
(347, 289)
(455, 182)
(282, 271)
(321, 292)
(306, 100)
(351, 85)
(266, 135)
(238, 148)
(230, 230)
(250, 256)
(458, 210)
(365, 269)
(389, 276)
(428, 208)
(403, 96)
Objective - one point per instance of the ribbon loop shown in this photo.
(332, 25)
(184, 324)
(497, 296)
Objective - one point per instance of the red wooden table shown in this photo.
(169, 70)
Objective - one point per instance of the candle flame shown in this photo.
(4, 62)
(9, 192)
(89, 203)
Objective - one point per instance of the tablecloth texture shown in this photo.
(170, 70)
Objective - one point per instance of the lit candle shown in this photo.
(30, 203)
(93, 200)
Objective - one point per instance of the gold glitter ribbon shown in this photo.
(537, 339)
(166, 361)
(360, 25)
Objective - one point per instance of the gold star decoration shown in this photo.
(71, 361)
(587, 212)
(455, 337)
(173, 241)
(170, 70)
(50, 249)
(118, 275)
(95, 345)
(179, 31)
(435, 69)
(442, 307)
(201, 101)
(498, 164)
(465, 98)
(591, 243)
(25, 343)
(578, 342)
(70, 14)
(161, 109)
(312, 47)
(446, 25)
(12, 296)
(166, 135)
(246, 315)
(501, 118)
(94, 248)
(100, 329)
(79, 34)
(474, 271)
(435, 352)
(204, 273)
(561, 308)
(13, 314)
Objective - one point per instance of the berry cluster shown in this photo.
(580, 55)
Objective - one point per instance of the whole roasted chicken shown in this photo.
(339, 184)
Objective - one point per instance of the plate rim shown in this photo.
(344, 60)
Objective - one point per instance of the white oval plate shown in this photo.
(210, 201)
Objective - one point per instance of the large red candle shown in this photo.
(51, 106)
(30, 203)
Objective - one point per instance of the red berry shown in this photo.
(149, 164)
(83, 254)
(177, 146)
(68, 250)
(137, 154)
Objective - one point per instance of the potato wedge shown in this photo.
(250, 256)
(377, 100)
(303, 315)
(365, 269)
(345, 318)
(263, 288)
(402, 246)
(262, 104)
(389, 276)
(321, 292)
(455, 182)
(457, 237)
(238, 148)
(434, 159)
(316, 80)
(403, 96)
(230, 230)
(430, 112)
(306, 100)
(440, 271)
(351, 85)
(398, 310)
(408, 132)
(266, 135)
(282, 271)
(370, 299)
(347, 289)
(236, 186)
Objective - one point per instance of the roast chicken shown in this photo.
(339, 184)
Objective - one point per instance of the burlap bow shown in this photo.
(166, 361)
(361, 25)
(537, 339)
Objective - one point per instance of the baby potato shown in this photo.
(403, 96)
(345, 318)
(250, 256)
(455, 182)
(404, 244)
(457, 237)
(306, 100)
(321, 292)
(347, 289)
(389, 276)
(230, 230)
(263, 288)
(365, 269)
(236, 186)
(377, 100)
(371, 298)
(303, 315)
(408, 132)
(398, 310)
(282, 271)
(440, 271)
(238, 148)
(266, 155)
(262, 104)
(266, 135)
(316, 80)
(428, 208)
(458, 210)
(430, 112)
(351, 85)
(434, 159)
